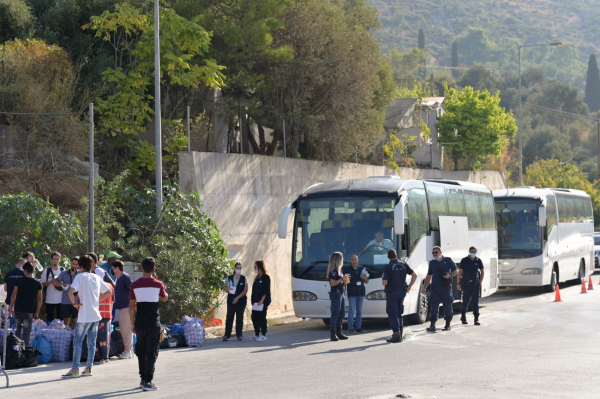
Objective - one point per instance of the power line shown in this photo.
(551, 110)
(41, 113)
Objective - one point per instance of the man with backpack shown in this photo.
(25, 296)
(53, 293)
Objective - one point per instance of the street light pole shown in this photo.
(557, 44)
(157, 121)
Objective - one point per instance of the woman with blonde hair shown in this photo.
(338, 305)
(260, 298)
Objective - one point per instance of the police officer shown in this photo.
(440, 273)
(470, 275)
(394, 281)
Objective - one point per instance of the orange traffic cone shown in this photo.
(590, 285)
(583, 290)
(557, 296)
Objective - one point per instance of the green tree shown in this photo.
(592, 85)
(474, 45)
(454, 57)
(558, 96)
(421, 41)
(15, 19)
(482, 125)
(480, 78)
(406, 66)
(553, 173)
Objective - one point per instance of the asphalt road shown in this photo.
(527, 347)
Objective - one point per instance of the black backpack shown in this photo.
(116, 340)
(14, 352)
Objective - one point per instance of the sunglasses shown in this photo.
(435, 253)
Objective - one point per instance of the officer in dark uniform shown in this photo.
(440, 273)
(394, 281)
(470, 275)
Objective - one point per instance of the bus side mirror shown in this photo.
(542, 216)
(399, 218)
(283, 221)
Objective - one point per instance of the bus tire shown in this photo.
(581, 269)
(326, 321)
(422, 310)
(553, 280)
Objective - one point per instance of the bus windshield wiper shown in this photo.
(313, 265)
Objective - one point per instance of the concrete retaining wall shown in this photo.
(245, 193)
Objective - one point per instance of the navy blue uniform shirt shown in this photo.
(437, 269)
(470, 268)
(395, 273)
(334, 275)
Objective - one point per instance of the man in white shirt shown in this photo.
(91, 291)
(53, 294)
(380, 241)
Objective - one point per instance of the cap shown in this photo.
(113, 254)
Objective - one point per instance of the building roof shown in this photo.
(397, 114)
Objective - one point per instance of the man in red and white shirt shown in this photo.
(145, 294)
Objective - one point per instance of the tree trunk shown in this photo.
(293, 153)
(261, 138)
(250, 137)
(273, 146)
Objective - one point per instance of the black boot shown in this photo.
(431, 328)
(447, 326)
(463, 318)
(340, 335)
(396, 337)
(477, 323)
(333, 337)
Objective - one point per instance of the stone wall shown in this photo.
(245, 193)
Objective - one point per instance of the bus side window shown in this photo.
(418, 217)
(473, 209)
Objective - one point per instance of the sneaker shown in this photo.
(261, 338)
(225, 338)
(352, 331)
(103, 361)
(240, 338)
(361, 330)
(149, 386)
(255, 338)
(142, 382)
(87, 372)
(126, 355)
(73, 373)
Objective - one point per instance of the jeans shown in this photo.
(338, 310)
(146, 349)
(236, 311)
(24, 322)
(125, 326)
(81, 329)
(355, 303)
(394, 308)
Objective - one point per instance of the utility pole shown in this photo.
(91, 205)
(598, 123)
(188, 129)
(157, 120)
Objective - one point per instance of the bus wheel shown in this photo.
(326, 321)
(422, 311)
(581, 269)
(553, 281)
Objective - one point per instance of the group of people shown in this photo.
(350, 282)
(90, 296)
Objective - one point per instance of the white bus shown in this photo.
(412, 215)
(545, 236)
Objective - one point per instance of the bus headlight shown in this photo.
(303, 296)
(376, 296)
(532, 271)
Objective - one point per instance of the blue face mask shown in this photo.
(473, 254)
(256, 271)
(238, 271)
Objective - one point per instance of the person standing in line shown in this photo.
(53, 292)
(122, 289)
(26, 302)
(64, 281)
(144, 295)
(394, 281)
(107, 267)
(261, 299)
(470, 275)
(356, 294)
(10, 280)
(91, 291)
(237, 288)
(337, 281)
(30, 257)
(440, 273)
(103, 340)
(99, 271)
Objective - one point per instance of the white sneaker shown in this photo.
(261, 338)
(126, 355)
(255, 338)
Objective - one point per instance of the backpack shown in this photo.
(116, 342)
(14, 352)
(48, 271)
(30, 357)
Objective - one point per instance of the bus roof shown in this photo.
(534, 193)
(375, 185)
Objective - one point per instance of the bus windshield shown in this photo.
(359, 226)
(519, 234)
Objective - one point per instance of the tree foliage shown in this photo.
(482, 125)
(592, 85)
(15, 19)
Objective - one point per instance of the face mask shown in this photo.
(439, 257)
(473, 254)
(256, 271)
(238, 271)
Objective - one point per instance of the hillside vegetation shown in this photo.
(500, 26)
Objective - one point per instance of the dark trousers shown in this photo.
(394, 307)
(444, 296)
(52, 311)
(259, 320)
(470, 293)
(236, 311)
(24, 323)
(338, 310)
(103, 339)
(146, 350)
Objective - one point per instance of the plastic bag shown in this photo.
(177, 329)
(43, 345)
(57, 325)
(193, 331)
